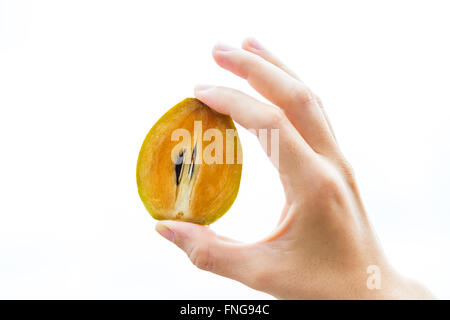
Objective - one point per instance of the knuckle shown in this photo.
(349, 173)
(328, 187)
(201, 257)
(299, 94)
(318, 100)
(275, 118)
(344, 167)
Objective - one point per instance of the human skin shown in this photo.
(324, 243)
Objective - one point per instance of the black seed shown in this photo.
(179, 166)
(192, 165)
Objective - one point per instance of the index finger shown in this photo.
(293, 152)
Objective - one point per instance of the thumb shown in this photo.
(214, 253)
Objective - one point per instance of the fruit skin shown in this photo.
(214, 187)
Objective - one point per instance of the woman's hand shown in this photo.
(323, 246)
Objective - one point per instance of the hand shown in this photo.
(324, 243)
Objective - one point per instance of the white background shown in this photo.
(82, 82)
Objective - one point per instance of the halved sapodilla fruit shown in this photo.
(189, 167)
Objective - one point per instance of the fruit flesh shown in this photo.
(176, 178)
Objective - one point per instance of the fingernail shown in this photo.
(203, 87)
(223, 47)
(165, 231)
(255, 44)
